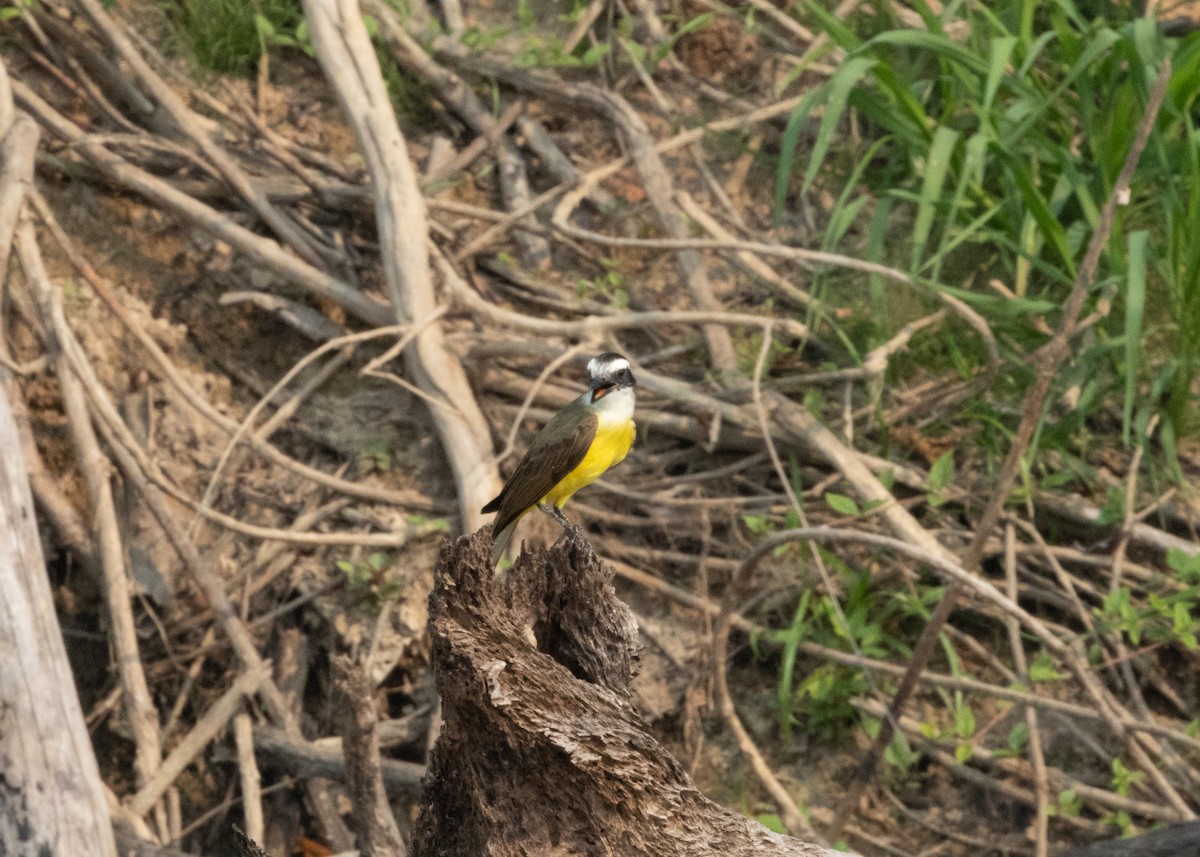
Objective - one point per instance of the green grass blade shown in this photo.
(1051, 230)
(941, 46)
(998, 59)
(787, 148)
(937, 163)
(1135, 306)
(843, 82)
(846, 210)
(877, 233)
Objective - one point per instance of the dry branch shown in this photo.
(138, 703)
(263, 250)
(346, 54)
(307, 759)
(378, 834)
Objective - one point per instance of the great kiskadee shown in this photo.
(579, 443)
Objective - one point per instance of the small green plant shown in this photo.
(609, 285)
(369, 578)
(899, 753)
(941, 477)
(16, 9)
(847, 506)
(771, 822)
(964, 731)
(1042, 669)
(1186, 566)
(1066, 803)
(823, 696)
(649, 59)
(229, 36)
(1123, 780)
(1017, 742)
(1162, 619)
(429, 525)
(375, 457)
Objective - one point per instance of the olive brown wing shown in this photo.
(556, 451)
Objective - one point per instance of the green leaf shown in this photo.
(899, 754)
(378, 561)
(264, 27)
(771, 822)
(1069, 802)
(1186, 565)
(842, 504)
(757, 524)
(1042, 669)
(934, 43)
(1051, 229)
(942, 472)
(595, 53)
(1018, 736)
(998, 59)
(1113, 510)
(964, 721)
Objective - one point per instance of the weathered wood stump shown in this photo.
(541, 751)
(1178, 840)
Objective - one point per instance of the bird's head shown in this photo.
(608, 373)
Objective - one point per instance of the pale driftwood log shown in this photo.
(51, 796)
(51, 801)
(137, 701)
(459, 97)
(348, 58)
(541, 751)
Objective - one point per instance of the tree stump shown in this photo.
(541, 751)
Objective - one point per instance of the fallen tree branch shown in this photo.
(346, 54)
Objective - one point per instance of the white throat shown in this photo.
(617, 406)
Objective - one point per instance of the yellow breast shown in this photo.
(612, 442)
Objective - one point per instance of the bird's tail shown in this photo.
(501, 540)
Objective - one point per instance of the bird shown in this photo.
(577, 445)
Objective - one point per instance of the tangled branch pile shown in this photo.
(258, 376)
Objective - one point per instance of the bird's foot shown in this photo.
(556, 513)
(569, 529)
